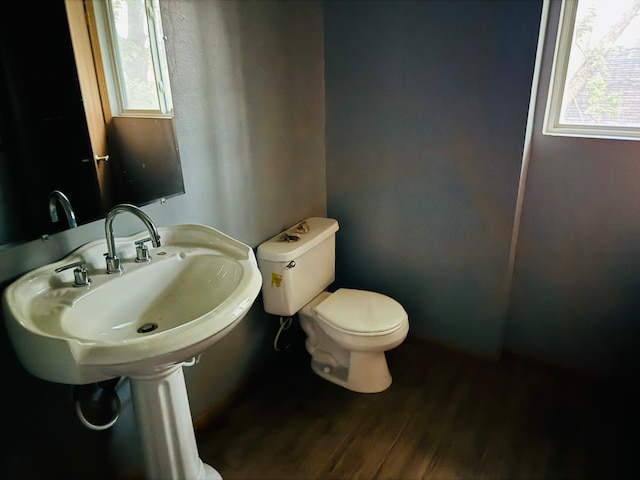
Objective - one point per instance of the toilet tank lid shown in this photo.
(302, 237)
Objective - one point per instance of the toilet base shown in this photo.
(367, 372)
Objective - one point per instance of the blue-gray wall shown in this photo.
(247, 81)
(575, 299)
(426, 106)
(248, 87)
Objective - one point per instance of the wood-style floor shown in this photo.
(446, 416)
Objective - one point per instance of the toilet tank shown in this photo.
(297, 264)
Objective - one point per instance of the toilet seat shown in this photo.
(360, 312)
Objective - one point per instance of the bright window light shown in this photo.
(134, 60)
(595, 83)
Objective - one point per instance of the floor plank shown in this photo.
(446, 416)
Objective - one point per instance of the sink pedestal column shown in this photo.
(164, 418)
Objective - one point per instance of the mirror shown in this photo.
(45, 138)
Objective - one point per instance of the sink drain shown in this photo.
(147, 327)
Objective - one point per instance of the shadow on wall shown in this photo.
(584, 319)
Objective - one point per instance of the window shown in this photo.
(595, 81)
(133, 58)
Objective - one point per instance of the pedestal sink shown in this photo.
(143, 323)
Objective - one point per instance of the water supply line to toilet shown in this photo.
(285, 323)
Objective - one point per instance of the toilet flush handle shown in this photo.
(291, 264)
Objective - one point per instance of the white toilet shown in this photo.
(347, 331)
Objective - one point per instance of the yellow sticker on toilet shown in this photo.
(276, 280)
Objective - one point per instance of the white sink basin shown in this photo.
(199, 284)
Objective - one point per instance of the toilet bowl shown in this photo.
(347, 331)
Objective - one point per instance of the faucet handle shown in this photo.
(113, 263)
(80, 273)
(142, 251)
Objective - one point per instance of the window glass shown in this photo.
(134, 59)
(132, 46)
(596, 86)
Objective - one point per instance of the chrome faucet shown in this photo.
(113, 262)
(66, 206)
